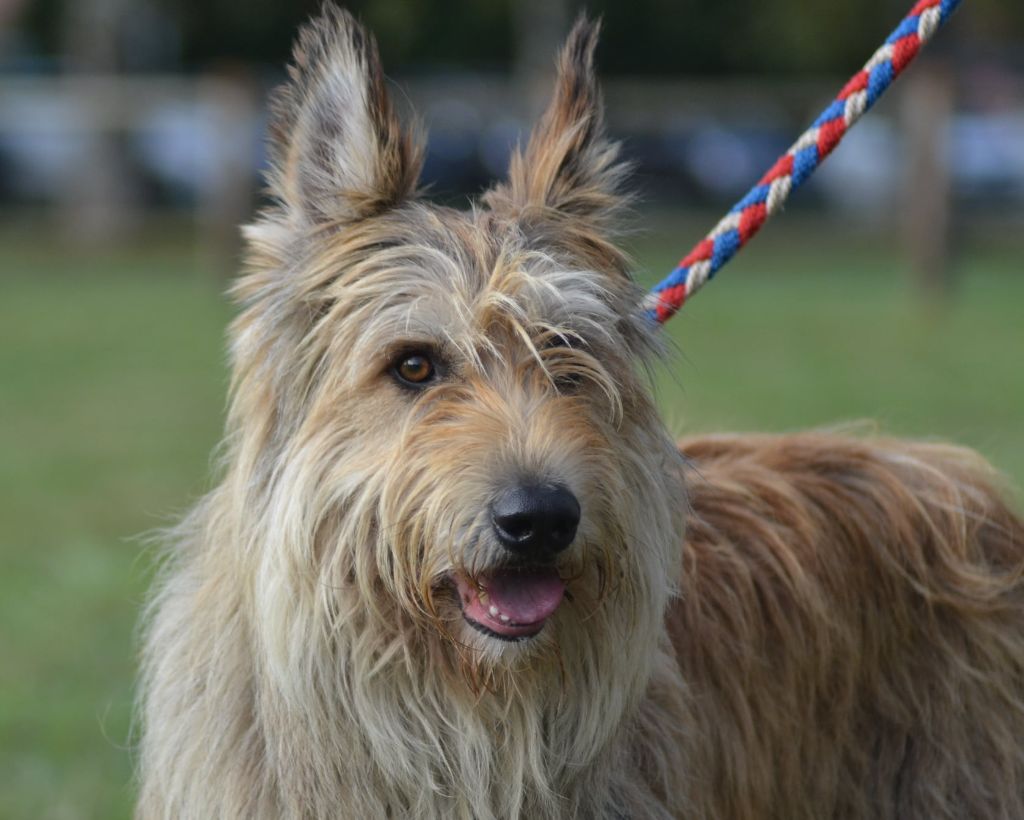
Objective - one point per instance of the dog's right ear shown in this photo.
(338, 152)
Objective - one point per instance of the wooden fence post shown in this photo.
(927, 108)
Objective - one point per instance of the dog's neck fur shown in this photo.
(406, 744)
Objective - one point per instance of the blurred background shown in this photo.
(130, 149)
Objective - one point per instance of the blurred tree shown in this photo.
(459, 33)
(641, 36)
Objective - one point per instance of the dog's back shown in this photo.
(852, 626)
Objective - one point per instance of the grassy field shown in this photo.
(112, 386)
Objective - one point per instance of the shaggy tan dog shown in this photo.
(444, 573)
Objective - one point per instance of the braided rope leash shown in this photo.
(793, 168)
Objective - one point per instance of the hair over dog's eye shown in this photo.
(559, 340)
(558, 348)
(414, 369)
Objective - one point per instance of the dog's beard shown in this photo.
(504, 622)
(436, 578)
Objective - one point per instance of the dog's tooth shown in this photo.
(505, 617)
(493, 610)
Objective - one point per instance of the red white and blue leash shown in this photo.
(793, 168)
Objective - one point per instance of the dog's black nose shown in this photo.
(536, 521)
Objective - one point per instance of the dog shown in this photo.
(456, 567)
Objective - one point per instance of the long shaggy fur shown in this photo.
(839, 634)
(850, 627)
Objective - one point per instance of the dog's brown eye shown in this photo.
(415, 369)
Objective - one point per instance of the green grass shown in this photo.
(112, 385)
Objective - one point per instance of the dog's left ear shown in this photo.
(569, 168)
(338, 152)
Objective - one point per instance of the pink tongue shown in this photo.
(526, 596)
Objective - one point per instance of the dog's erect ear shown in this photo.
(569, 165)
(338, 152)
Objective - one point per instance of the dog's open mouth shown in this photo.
(511, 603)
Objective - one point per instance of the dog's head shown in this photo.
(444, 413)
